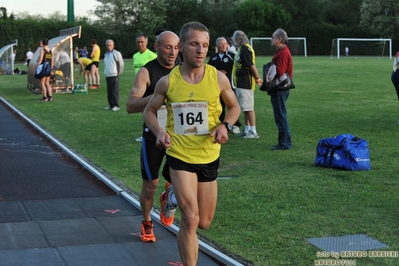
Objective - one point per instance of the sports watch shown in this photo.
(228, 126)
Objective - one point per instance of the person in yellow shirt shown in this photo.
(193, 135)
(85, 63)
(95, 58)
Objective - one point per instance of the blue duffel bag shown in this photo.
(343, 151)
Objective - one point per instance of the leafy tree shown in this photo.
(344, 12)
(302, 12)
(380, 17)
(130, 16)
(260, 18)
(217, 15)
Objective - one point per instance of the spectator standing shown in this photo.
(46, 56)
(223, 61)
(12, 56)
(166, 46)
(395, 75)
(283, 60)
(95, 58)
(83, 52)
(245, 77)
(29, 56)
(192, 90)
(113, 67)
(75, 54)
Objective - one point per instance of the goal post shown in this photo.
(358, 50)
(297, 46)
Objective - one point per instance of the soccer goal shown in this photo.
(361, 47)
(263, 47)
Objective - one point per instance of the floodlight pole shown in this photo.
(71, 15)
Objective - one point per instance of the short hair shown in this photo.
(219, 39)
(240, 38)
(280, 33)
(142, 35)
(45, 41)
(191, 26)
(109, 40)
(93, 41)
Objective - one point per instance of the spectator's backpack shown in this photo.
(343, 151)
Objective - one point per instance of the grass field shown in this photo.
(273, 200)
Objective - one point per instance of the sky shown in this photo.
(46, 7)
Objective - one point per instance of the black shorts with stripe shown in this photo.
(150, 159)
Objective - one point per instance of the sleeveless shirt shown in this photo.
(47, 56)
(244, 58)
(155, 71)
(193, 113)
(96, 57)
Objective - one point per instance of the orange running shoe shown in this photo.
(167, 207)
(147, 232)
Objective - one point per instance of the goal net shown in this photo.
(361, 47)
(262, 46)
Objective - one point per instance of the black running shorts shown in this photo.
(150, 159)
(205, 172)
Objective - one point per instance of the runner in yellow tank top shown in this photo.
(192, 116)
(95, 58)
(96, 53)
(193, 136)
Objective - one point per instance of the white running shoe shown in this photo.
(251, 135)
(115, 108)
(139, 139)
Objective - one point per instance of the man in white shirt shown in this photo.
(113, 67)
(29, 55)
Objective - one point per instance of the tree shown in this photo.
(260, 18)
(131, 16)
(344, 12)
(380, 17)
(302, 12)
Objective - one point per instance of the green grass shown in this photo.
(274, 200)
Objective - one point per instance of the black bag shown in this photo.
(271, 83)
(43, 70)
